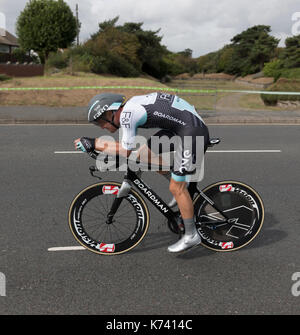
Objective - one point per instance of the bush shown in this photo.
(273, 69)
(293, 73)
(79, 59)
(115, 65)
(4, 77)
(270, 99)
(282, 85)
(119, 66)
(98, 65)
(59, 60)
(81, 64)
(20, 55)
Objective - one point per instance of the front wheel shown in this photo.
(229, 215)
(95, 230)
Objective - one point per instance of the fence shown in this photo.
(12, 58)
(22, 70)
(198, 93)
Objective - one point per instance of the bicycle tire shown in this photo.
(241, 204)
(107, 246)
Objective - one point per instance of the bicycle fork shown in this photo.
(123, 192)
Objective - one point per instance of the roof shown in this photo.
(8, 39)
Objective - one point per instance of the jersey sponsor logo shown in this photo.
(165, 97)
(110, 189)
(125, 119)
(169, 117)
(225, 188)
(106, 247)
(186, 158)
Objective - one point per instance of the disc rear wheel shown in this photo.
(233, 219)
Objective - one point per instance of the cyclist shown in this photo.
(175, 117)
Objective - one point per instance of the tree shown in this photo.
(225, 58)
(105, 25)
(46, 25)
(151, 53)
(252, 48)
(291, 54)
(140, 48)
(273, 69)
(208, 63)
(186, 53)
(114, 51)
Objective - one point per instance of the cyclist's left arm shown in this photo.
(87, 144)
(132, 116)
(111, 148)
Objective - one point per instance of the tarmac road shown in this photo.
(37, 186)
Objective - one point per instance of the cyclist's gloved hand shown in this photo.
(86, 144)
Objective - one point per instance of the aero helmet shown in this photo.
(102, 103)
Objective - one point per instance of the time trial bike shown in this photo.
(111, 218)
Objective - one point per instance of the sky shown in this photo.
(200, 25)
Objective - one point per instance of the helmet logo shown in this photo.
(99, 111)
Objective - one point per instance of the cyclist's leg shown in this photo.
(191, 237)
(180, 192)
(162, 149)
(184, 167)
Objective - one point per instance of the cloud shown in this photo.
(202, 26)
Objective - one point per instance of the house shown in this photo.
(9, 63)
(8, 42)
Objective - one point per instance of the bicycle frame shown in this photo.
(132, 179)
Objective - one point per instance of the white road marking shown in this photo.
(66, 248)
(68, 152)
(74, 248)
(244, 151)
(209, 151)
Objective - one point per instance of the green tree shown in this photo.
(186, 53)
(208, 63)
(225, 59)
(151, 52)
(252, 49)
(114, 50)
(172, 65)
(291, 54)
(140, 48)
(46, 25)
(273, 69)
(105, 25)
(185, 60)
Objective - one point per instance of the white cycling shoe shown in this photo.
(185, 243)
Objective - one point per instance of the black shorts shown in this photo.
(189, 145)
